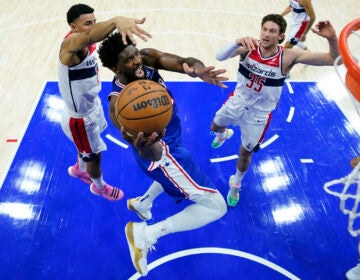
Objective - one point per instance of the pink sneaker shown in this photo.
(108, 192)
(74, 171)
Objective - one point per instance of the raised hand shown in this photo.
(325, 29)
(208, 74)
(130, 27)
(249, 43)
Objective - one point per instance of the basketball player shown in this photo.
(263, 66)
(83, 117)
(302, 19)
(167, 162)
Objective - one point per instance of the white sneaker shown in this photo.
(354, 273)
(138, 245)
(134, 204)
(218, 141)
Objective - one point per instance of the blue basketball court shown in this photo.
(285, 226)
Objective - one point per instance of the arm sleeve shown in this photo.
(226, 51)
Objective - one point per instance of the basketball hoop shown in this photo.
(352, 76)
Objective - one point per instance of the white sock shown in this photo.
(82, 164)
(155, 231)
(99, 182)
(154, 191)
(239, 176)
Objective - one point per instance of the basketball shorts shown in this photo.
(85, 132)
(178, 174)
(296, 30)
(253, 123)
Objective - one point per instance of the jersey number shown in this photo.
(256, 82)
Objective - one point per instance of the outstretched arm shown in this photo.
(79, 41)
(326, 30)
(190, 65)
(99, 31)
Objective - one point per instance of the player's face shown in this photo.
(83, 23)
(270, 34)
(130, 63)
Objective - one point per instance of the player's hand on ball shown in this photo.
(141, 140)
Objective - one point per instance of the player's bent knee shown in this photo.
(221, 206)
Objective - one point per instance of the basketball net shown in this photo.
(347, 189)
(346, 193)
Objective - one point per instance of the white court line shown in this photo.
(306, 160)
(224, 158)
(291, 91)
(216, 250)
(116, 141)
(268, 142)
(291, 114)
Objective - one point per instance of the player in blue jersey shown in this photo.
(166, 161)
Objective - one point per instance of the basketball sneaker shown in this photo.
(108, 192)
(74, 171)
(354, 273)
(139, 245)
(134, 204)
(233, 195)
(218, 141)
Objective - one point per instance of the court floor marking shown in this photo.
(217, 250)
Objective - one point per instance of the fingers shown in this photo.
(129, 27)
(221, 85)
(140, 21)
(248, 42)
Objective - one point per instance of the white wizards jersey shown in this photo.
(298, 12)
(260, 80)
(80, 85)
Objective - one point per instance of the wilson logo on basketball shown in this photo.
(153, 102)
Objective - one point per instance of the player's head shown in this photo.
(80, 17)
(122, 59)
(273, 25)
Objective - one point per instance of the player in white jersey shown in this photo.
(83, 117)
(262, 69)
(302, 19)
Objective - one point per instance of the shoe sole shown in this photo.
(132, 208)
(134, 251)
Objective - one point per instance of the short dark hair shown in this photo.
(279, 20)
(76, 11)
(110, 49)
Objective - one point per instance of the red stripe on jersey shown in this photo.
(265, 128)
(78, 132)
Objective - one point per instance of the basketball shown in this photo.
(143, 105)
